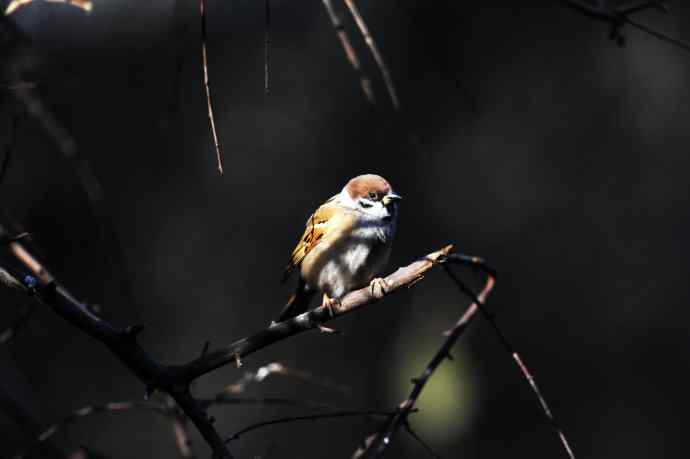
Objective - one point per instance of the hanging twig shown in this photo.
(350, 53)
(267, 46)
(375, 52)
(209, 104)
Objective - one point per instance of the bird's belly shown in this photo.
(346, 267)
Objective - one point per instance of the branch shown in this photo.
(121, 342)
(10, 147)
(175, 380)
(620, 15)
(350, 53)
(209, 104)
(280, 369)
(310, 417)
(376, 444)
(479, 302)
(403, 277)
(267, 46)
(375, 52)
(165, 407)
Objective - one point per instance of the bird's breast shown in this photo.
(350, 261)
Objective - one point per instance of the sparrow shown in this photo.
(346, 244)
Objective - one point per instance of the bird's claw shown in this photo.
(379, 287)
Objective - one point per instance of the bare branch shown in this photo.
(276, 332)
(175, 380)
(479, 302)
(121, 342)
(209, 104)
(376, 444)
(375, 52)
(350, 53)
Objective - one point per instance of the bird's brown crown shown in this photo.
(368, 185)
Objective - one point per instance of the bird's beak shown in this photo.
(389, 198)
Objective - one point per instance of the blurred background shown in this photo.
(526, 136)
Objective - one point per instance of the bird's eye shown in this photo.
(372, 195)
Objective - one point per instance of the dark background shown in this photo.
(526, 137)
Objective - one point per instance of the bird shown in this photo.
(345, 246)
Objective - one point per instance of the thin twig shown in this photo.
(619, 15)
(425, 445)
(375, 52)
(376, 444)
(660, 35)
(10, 148)
(278, 368)
(209, 104)
(479, 301)
(267, 47)
(9, 333)
(350, 53)
(311, 417)
(89, 410)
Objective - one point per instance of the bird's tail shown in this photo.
(297, 304)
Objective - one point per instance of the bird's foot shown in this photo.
(379, 287)
(330, 303)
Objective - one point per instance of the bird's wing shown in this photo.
(316, 227)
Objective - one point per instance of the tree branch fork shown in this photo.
(34, 279)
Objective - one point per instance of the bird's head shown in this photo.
(372, 195)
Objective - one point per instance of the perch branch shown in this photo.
(209, 103)
(350, 53)
(233, 353)
(175, 379)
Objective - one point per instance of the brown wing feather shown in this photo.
(313, 233)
